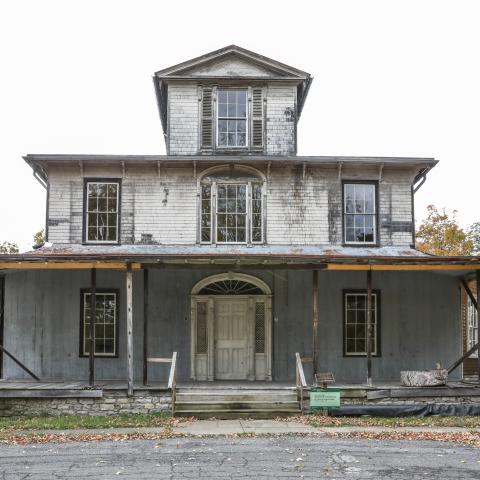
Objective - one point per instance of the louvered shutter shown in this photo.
(257, 118)
(207, 118)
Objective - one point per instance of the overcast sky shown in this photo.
(393, 78)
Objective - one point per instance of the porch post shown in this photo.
(315, 321)
(91, 343)
(129, 330)
(145, 326)
(478, 324)
(369, 328)
(2, 316)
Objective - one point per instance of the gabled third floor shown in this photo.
(231, 101)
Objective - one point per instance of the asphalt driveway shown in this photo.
(240, 458)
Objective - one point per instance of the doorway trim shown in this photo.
(259, 329)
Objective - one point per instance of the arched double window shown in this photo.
(232, 206)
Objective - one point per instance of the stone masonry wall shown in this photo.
(112, 403)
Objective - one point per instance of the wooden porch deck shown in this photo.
(80, 388)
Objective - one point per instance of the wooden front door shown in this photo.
(231, 339)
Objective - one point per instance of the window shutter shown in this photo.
(207, 118)
(257, 118)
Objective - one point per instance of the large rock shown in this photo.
(424, 378)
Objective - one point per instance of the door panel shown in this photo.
(231, 331)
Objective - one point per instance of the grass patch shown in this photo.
(68, 422)
(366, 421)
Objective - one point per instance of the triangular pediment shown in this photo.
(235, 62)
(230, 66)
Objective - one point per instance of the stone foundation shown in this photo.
(113, 402)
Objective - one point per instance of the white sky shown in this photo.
(394, 78)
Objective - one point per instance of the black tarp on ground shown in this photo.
(419, 410)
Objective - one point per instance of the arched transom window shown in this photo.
(231, 207)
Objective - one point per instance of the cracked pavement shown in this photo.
(239, 458)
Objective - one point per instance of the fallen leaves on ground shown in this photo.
(393, 422)
(26, 439)
(465, 438)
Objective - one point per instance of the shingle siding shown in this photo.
(184, 125)
(183, 119)
(281, 120)
(303, 206)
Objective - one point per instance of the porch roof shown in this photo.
(77, 256)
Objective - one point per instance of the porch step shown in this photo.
(234, 414)
(230, 403)
(193, 397)
(235, 405)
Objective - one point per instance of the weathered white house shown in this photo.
(231, 250)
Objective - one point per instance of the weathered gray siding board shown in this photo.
(304, 207)
(419, 322)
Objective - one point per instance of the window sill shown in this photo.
(101, 243)
(361, 244)
(98, 356)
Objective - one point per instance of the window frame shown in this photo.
(115, 291)
(376, 229)
(472, 341)
(378, 330)
(219, 147)
(86, 182)
(248, 214)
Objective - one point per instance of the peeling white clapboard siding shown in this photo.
(303, 208)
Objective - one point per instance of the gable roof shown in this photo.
(231, 62)
(187, 69)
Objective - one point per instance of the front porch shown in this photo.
(405, 317)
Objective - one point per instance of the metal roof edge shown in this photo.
(209, 158)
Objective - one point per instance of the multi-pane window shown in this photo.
(206, 213)
(355, 329)
(259, 327)
(202, 337)
(472, 328)
(231, 213)
(256, 213)
(359, 213)
(232, 118)
(102, 202)
(104, 324)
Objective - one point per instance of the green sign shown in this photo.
(325, 397)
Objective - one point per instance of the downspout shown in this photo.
(42, 179)
(418, 181)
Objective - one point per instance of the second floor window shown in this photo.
(359, 215)
(231, 210)
(101, 212)
(232, 118)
